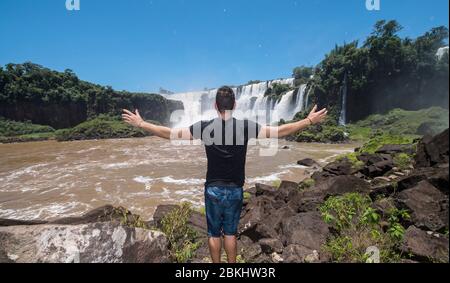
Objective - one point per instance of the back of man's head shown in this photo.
(225, 99)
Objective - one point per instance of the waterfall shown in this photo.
(250, 100)
(441, 52)
(343, 116)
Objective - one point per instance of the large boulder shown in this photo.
(425, 246)
(340, 185)
(265, 190)
(310, 199)
(438, 177)
(428, 206)
(308, 162)
(305, 229)
(107, 242)
(432, 151)
(396, 148)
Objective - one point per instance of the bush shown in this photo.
(403, 161)
(357, 227)
(181, 237)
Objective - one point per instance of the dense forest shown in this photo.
(383, 73)
(30, 92)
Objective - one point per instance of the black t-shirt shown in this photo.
(226, 151)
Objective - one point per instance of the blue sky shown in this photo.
(140, 45)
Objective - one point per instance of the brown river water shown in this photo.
(49, 180)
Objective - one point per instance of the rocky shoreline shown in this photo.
(357, 204)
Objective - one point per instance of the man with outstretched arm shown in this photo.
(226, 140)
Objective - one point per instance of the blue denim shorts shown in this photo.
(223, 210)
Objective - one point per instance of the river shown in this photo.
(49, 180)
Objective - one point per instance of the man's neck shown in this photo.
(226, 115)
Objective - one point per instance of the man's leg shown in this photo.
(230, 244)
(231, 221)
(215, 247)
(214, 212)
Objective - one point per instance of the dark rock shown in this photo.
(425, 247)
(378, 169)
(306, 229)
(251, 253)
(396, 148)
(340, 185)
(433, 151)
(384, 206)
(287, 190)
(260, 231)
(161, 211)
(438, 177)
(12, 222)
(371, 159)
(105, 213)
(383, 190)
(310, 199)
(266, 190)
(107, 242)
(338, 168)
(308, 162)
(255, 212)
(428, 206)
(300, 254)
(269, 246)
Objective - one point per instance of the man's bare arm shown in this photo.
(315, 117)
(136, 120)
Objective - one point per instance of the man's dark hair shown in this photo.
(225, 99)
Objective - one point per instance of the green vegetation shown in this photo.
(357, 227)
(430, 121)
(277, 91)
(13, 129)
(302, 74)
(327, 132)
(181, 237)
(128, 219)
(98, 128)
(382, 139)
(247, 195)
(403, 161)
(353, 159)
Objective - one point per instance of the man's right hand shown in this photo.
(317, 117)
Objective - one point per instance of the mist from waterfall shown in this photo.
(250, 100)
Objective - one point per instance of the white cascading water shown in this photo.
(250, 101)
(441, 52)
(343, 116)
